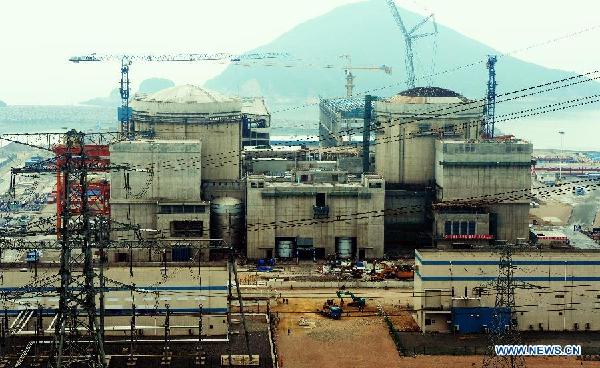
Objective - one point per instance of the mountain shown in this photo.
(113, 100)
(367, 32)
(2, 103)
(149, 85)
(154, 85)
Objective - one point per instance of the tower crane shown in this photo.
(489, 108)
(124, 111)
(347, 69)
(409, 37)
(350, 77)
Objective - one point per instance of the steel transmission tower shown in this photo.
(78, 332)
(503, 330)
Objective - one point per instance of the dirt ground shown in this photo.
(597, 220)
(360, 339)
(472, 361)
(552, 213)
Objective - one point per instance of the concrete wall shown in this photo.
(293, 202)
(496, 174)
(563, 286)
(512, 220)
(221, 143)
(482, 226)
(498, 169)
(405, 136)
(172, 170)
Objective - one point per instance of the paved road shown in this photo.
(584, 213)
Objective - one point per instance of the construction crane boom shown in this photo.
(350, 77)
(409, 37)
(124, 111)
(173, 57)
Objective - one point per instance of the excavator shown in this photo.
(357, 302)
(331, 310)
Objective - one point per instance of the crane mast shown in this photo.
(409, 37)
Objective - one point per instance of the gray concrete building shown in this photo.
(315, 214)
(407, 125)
(559, 290)
(482, 191)
(191, 112)
(161, 193)
(256, 129)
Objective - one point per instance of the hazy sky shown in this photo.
(39, 36)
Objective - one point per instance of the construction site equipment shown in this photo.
(347, 69)
(350, 77)
(404, 272)
(265, 265)
(357, 302)
(331, 310)
(489, 109)
(409, 37)
(391, 271)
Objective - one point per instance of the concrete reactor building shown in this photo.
(430, 151)
(315, 214)
(192, 158)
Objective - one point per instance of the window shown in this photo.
(463, 227)
(427, 322)
(182, 229)
(460, 227)
(559, 296)
(456, 227)
(448, 228)
(181, 208)
(320, 200)
(471, 229)
(424, 127)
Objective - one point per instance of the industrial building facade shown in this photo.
(482, 191)
(557, 290)
(185, 184)
(446, 185)
(315, 214)
(341, 121)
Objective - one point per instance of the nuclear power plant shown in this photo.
(387, 224)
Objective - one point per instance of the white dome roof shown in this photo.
(186, 99)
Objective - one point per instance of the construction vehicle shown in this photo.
(404, 272)
(331, 310)
(357, 302)
(265, 265)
